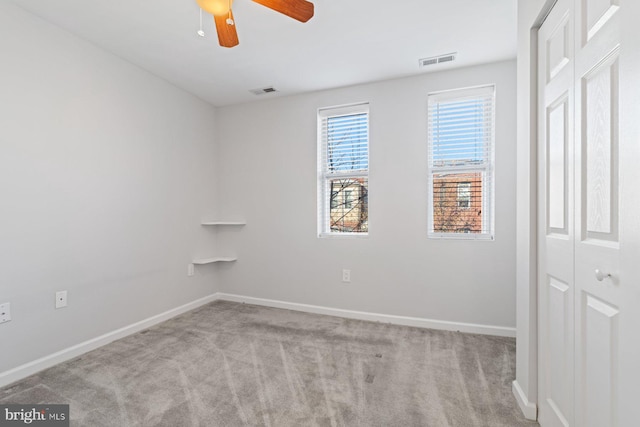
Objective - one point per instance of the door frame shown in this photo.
(531, 15)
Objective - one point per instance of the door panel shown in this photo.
(557, 117)
(560, 352)
(600, 151)
(596, 13)
(558, 48)
(599, 353)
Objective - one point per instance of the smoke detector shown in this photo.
(263, 90)
(434, 60)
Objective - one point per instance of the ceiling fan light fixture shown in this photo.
(300, 10)
(215, 7)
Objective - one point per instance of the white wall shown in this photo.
(105, 172)
(526, 384)
(267, 165)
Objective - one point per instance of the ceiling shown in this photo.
(347, 41)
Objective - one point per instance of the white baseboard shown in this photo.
(384, 318)
(529, 409)
(35, 366)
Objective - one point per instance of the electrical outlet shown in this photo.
(61, 299)
(190, 271)
(346, 275)
(5, 312)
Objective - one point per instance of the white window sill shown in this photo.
(343, 235)
(461, 236)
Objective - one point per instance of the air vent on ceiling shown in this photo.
(263, 90)
(449, 57)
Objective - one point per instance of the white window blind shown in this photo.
(343, 170)
(461, 156)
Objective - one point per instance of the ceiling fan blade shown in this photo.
(227, 35)
(300, 10)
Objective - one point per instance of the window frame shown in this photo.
(486, 169)
(324, 176)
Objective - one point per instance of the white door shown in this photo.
(597, 219)
(627, 391)
(556, 235)
(580, 231)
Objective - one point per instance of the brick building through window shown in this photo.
(457, 203)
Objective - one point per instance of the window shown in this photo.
(348, 198)
(464, 195)
(461, 153)
(334, 199)
(343, 170)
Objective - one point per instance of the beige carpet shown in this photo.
(229, 364)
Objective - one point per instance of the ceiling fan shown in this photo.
(300, 10)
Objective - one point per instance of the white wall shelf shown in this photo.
(212, 260)
(203, 261)
(224, 223)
